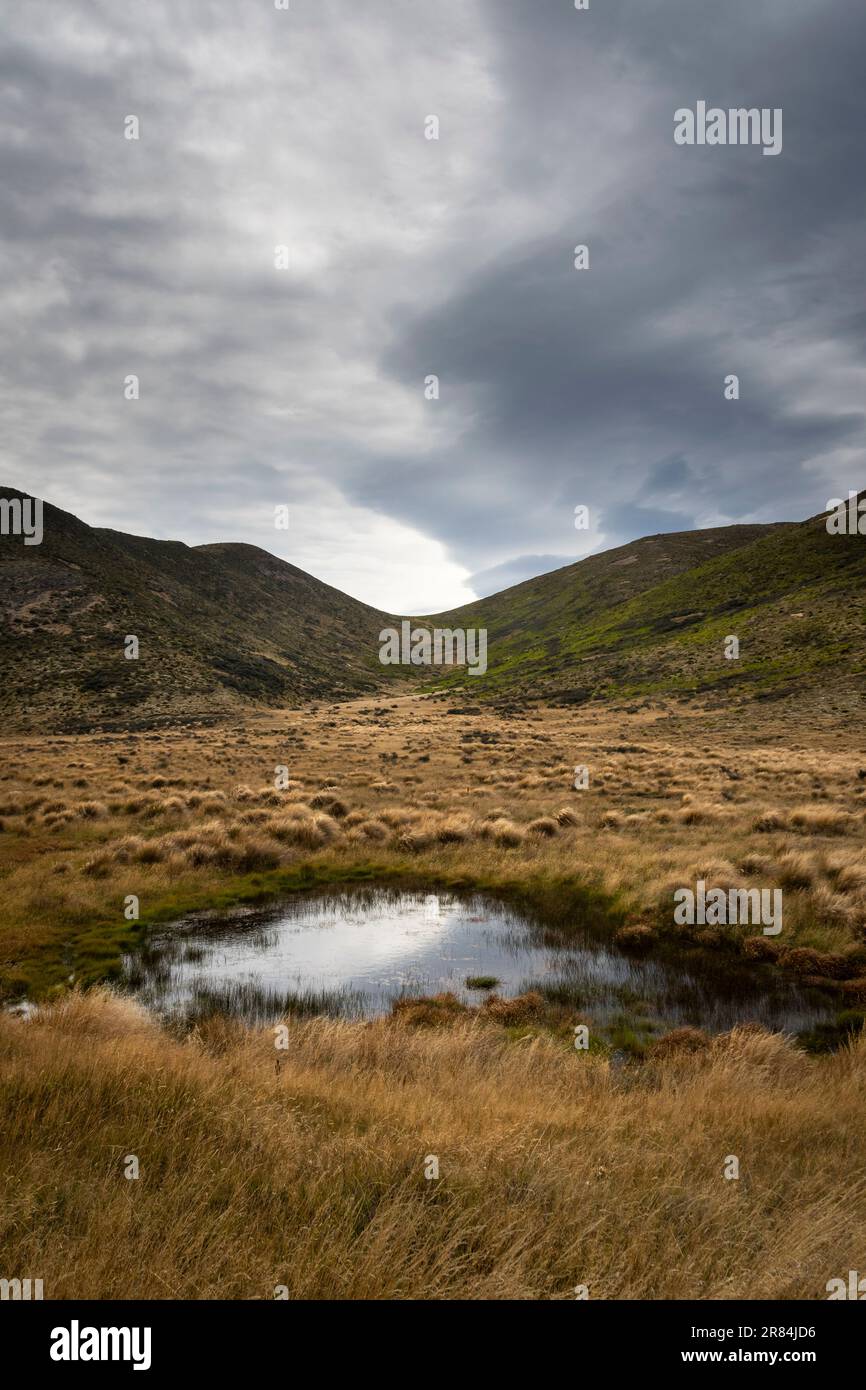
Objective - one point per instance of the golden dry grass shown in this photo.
(305, 1167)
(555, 1170)
(180, 816)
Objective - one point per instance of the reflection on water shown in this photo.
(353, 953)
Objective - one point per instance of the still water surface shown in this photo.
(354, 953)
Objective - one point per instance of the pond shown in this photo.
(352, 953)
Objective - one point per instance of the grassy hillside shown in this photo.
(652, 617)
(223, 628)
(220, 627)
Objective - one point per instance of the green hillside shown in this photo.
(223, 628)
(619, 625)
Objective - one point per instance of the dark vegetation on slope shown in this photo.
(220, 627)
(223, 628)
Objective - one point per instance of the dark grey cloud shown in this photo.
(412, 257)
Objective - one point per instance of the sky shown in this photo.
(299, 378)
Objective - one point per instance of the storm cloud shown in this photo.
(410, 258)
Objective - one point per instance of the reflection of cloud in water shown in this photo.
(380, 943)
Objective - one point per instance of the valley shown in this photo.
(223, 793)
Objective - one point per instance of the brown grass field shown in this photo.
(557, 1168)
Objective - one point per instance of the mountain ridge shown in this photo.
(227, 627)
(667, 636)
(219, 629)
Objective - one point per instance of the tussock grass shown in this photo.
(194, 817)
(305, 1167)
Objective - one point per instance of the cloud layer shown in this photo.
(410, 257)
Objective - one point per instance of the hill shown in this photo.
(220, 628)
(224, 628)
(652, 617)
